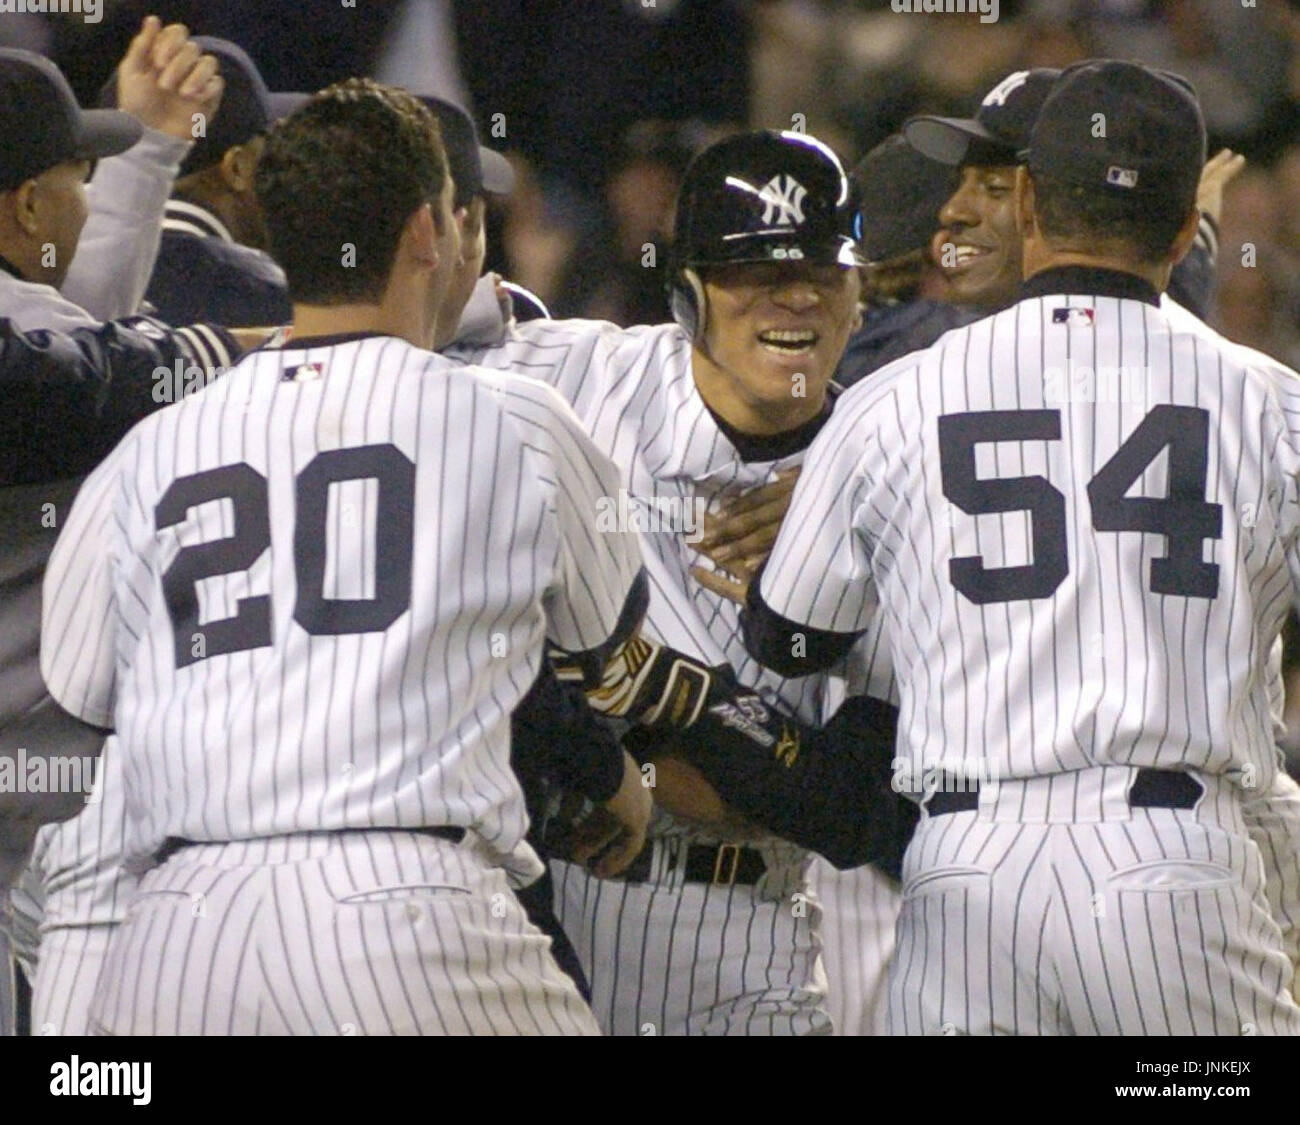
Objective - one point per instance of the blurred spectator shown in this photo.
(1259, 261)
(570, 79)
(616, 271)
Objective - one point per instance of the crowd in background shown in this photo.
(601, 103)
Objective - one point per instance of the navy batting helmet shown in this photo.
(759, 197)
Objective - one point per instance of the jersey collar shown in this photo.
(189, 218)
(1092, 281)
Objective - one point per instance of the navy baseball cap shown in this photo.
(474, 169)
(999, 130)
(900, 193)
(1153, 142)
(247, 107)
(42, 126)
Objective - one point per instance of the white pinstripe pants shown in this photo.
(8, 1012)
(337, 934)
(674, 958)
(68, 966)
(1147, 921)
(859, 915)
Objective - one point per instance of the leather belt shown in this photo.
(720, 865)
(1151, 789)
(173, 844)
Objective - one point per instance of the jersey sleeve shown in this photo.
(79, 615)
(815, 594)
(598, 590)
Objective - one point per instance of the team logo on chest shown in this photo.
(782, 198)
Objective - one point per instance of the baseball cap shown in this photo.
(474, 169)
(900, 193)
(42, 126)
(999, 130)
(1153, 145)
(247, 106)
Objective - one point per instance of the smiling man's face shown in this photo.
(769, 324)
(978, 245)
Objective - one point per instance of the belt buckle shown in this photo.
(730, 880)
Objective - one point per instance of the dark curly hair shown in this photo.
(348, 169)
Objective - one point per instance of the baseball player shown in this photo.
(713, 928)
(75, 890)
(1080, 623)
(310, 687)
(980, 251)
(979, 245)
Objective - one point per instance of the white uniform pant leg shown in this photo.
(67, 971)
(859, 916)
(693, 959)
(1170, 931)
(8, 1011)
(340, 934)
(1151, 924)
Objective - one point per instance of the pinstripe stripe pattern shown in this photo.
(7, 1010)
(404, 727)
(1102, 673)
(691, 959)
(72, 893)
(1119, 675)
(695, 958)
(858, 916)
(1138, 922)
(408, 726)
(364, 933)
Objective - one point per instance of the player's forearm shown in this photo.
(110, 271)
(825, 789)
(555, 735)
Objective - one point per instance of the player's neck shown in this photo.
(341, 320)
(720, 393)
(1040, 258)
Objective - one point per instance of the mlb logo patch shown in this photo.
(1073, 316)
(1121, 177)
(302, 373)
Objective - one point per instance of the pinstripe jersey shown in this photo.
(1076, 570)
(243, 592)
(694, 959)
(634, 391)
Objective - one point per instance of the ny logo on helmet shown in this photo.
(782, 198)
(1004, 89)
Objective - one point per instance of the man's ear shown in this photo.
(25, 201)
(238, 167)
(420, 237)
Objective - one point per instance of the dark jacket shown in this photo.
(203, 274)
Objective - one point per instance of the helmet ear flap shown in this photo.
(687, 303)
